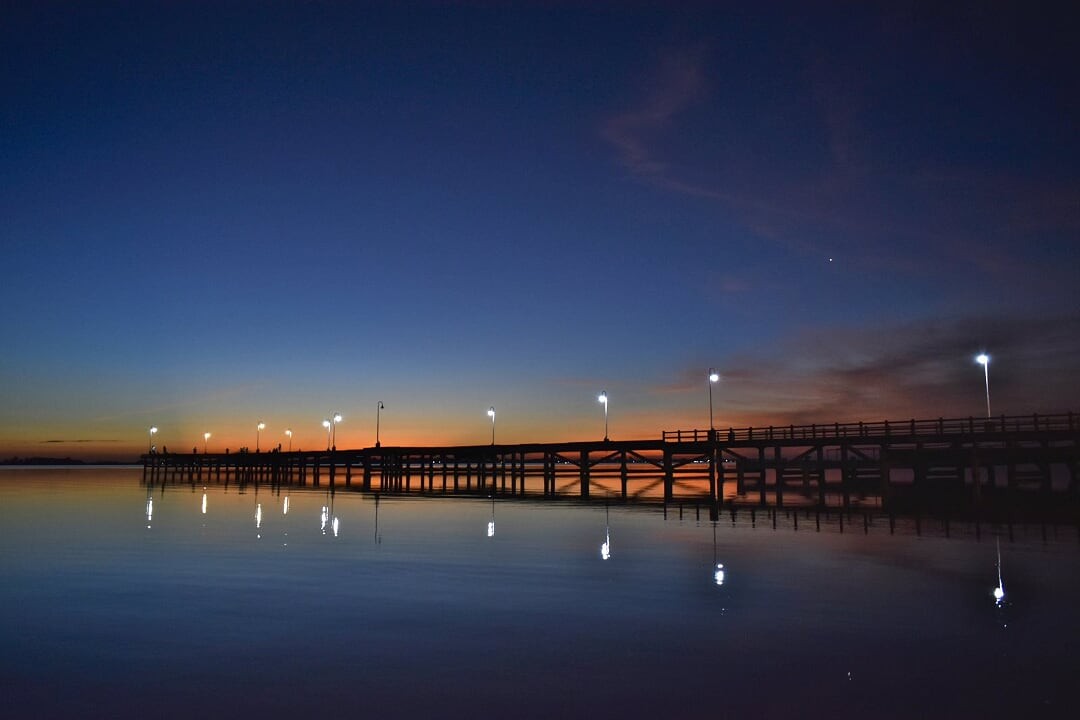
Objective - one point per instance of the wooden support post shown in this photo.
(761, 483)
(778, 470)
(584, 474)
(623, 473)
(821, 475)
(669, 476)
(845, 479)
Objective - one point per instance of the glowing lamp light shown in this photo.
(984, 360)
(603, 400)
(714, 377)
(491, 529)
(718, 575)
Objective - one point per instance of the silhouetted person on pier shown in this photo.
(164, 449)
(194, 451)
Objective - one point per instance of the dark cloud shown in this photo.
(918, 369)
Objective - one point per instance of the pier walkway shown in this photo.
(889, 464)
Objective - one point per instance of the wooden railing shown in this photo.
(1064, 422)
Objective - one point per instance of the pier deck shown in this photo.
(884, 464)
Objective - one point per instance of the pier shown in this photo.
(927, 464)
(1009, 462)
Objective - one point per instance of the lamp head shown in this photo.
(153, 430)
(337, 418)
(261, 426)
(206, 436)
(713, 376)
(326, 423)
(289, 433)
(982, 359)
(603, 397)
(491, 412)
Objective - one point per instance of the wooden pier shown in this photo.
(929, 464)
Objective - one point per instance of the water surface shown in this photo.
(120, 600)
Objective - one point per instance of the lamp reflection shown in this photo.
(378, 538)
(285, 506)
(149, 511)
(204, 501)
(327, 518)
(999, 591)
(718, 567)
(491, 522)
(605, 549)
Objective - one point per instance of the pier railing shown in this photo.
(1065, 422)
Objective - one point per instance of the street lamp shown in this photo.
(984, 360)
(331, 430)
(378, 411)
(603, 401)
(288, 432)
(258, 429)
(205, 439)
(150, 447)
(491, 414)
(713, 378)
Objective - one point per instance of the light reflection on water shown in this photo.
(115, 600)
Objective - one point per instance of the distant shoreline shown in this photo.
(53, 461)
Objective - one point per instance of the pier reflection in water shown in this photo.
(119, 597)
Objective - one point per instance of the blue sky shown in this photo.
(220, 213)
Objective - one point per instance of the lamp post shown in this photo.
(150, 446)
(258, 429)
(331, 430)
(604, 401)
(378, 411)
(205, 440)
(491, 414)
(713, 378)
(984, 360)
(288, 433)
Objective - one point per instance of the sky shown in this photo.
(216, 214)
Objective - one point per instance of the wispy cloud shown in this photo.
(856, 201)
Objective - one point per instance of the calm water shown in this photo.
(218, 603)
